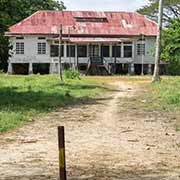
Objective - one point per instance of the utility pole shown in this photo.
(69, 50)
(60, 45)
(156, 76)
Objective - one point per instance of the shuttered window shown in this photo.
(140, 49)
(54, 51)
(41, 48)
(116, 51)
(19, 48)
(82, 51)
(70, 51)
(105, 51)
(127, 51)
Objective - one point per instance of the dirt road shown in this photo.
(105, 140)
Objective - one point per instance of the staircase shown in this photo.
(98, 66)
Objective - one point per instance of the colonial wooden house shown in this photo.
(116, 41)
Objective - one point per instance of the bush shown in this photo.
(72, 74)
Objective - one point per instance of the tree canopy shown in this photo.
(171, 10)
(171, 46)
(13, 11)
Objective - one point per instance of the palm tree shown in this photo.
(156, 76)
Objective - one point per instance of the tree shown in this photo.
(171, 46)
(171, 10)
(158, 43)
(13, 11)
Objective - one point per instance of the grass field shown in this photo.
(23, 97)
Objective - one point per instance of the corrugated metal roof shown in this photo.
(118, 23)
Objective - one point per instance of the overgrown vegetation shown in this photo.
(171, 47)
(72, 74)
(23, 97)
(167, 91)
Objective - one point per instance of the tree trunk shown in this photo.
(156, 76)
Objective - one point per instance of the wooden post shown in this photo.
(60, 45)
(62, 160)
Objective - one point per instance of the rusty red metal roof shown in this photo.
(118, 23)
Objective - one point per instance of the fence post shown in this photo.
(62, 160)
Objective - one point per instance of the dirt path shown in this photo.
(105, 140)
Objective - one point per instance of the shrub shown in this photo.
(72, 74)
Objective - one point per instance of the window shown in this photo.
(105, 51)
(41, 48)
(54, 51)
(19, 48)
(82, 51)
(116, 51)
(70, 51)
(127, 51)
(140, 49)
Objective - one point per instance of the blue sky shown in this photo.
(104, 5)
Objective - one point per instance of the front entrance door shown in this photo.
(93, 50)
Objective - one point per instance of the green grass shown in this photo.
(167, 91)
(166, 94)
(23, 97)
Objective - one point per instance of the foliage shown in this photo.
(12, 11)
(171, 46)
(72, 74)
(23, 97)
(171, 10)
(167, 91)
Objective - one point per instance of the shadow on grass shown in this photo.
(11, 99)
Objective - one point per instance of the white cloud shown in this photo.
(104, 5)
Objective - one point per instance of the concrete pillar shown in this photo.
(10, 69)
(99, 49)
(110, 51)
(133, 50)
(149, 69)
(30, 68)
(122, 50)
(53, 68)
(65, 49)
(131, 70)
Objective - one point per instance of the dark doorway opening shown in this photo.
(41, 68)
(19, 68)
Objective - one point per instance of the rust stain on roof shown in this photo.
(118, 23)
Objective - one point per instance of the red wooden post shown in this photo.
(62, 160)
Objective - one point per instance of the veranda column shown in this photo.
(110, 51)
(122, 50)
(30, 68)
(99, 49)
(76, 56)
(10, 69)
(65, 49)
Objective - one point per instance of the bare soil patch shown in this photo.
(105, 140)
